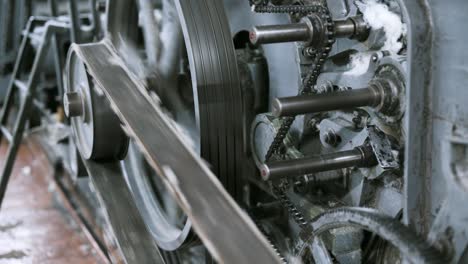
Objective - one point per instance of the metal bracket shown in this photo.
(27, 93)
(382, 148)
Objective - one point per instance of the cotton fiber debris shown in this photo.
(378, 16)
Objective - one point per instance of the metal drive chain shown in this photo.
(297, 215)
(262, 8)
(412, 246)
(309, 82)
(270, 241)
(316, 67)
(294, 212)
(275, 248)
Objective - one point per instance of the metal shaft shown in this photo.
(306, 31)
(360, 157)
(353, 27)
(344, 28)
(304, 104)
(280, 33)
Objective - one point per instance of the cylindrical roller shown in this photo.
(307, 30)
(344, 28)
(353, 27)
(359, 157)
(304, 104)
(281, 33)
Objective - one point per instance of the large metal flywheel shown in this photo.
(195, 78)
(211, 117)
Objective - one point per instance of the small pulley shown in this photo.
(96, 128)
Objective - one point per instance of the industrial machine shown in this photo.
(261, 131)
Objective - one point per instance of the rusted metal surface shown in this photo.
(35, 227)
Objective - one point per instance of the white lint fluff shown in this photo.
(359, 64)
(378, 16)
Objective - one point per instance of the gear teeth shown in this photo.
(270, 241)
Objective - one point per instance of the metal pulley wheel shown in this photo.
(97, 130)
(164, 219)
(206, 105)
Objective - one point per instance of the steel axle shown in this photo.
(309, 30)
(360, 157)
(382, 94)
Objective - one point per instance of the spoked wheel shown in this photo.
(165, 221)
(197, 84)
(402, 242)
(169, 225)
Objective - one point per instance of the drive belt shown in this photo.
(216, 217)
(134, 242)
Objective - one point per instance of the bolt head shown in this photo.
(309, 52)
(72, 104)
(332, 139)
(357, 120)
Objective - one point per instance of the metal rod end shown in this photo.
(253, 36)
(277, 108)
(265, 172)
(72, 104)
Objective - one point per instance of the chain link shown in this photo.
(270, 241)
(263, 8)
(311, 78)
(296, 214)
(309, 82)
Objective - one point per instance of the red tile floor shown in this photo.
(34, 227)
